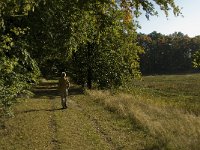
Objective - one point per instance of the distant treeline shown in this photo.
(165, 54)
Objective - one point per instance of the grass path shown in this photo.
(41, 124)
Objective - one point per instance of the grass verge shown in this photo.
(136, 119)
(166, 107)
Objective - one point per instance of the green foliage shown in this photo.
(196, 61)
(109, 57)
(17, 69)
(100, 33)
(167, 53)
(93, 31)
(149, 7)
(196, 54)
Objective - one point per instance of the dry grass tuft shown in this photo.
(173, 128)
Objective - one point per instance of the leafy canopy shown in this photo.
(48, 35)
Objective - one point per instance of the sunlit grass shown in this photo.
(167, 107)
(29, 128)
(172, 128)
(39, 123)
(158, 112)
(181, 91)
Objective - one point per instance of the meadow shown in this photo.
(181, 91)
(165, 106)
(156, 112)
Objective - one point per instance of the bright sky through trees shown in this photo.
(189, 24)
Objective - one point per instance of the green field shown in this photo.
(181, 91)
(157, 112)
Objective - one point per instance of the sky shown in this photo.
(188, 25)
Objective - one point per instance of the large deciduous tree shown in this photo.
(98, 34)
(17, 68)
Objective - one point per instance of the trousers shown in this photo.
(64, 95)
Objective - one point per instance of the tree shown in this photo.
(196, 61)
(17, 68)
(195, 46)
(65, 29)
(167, 53)
(69, 27)
(51, 31)
(108, 60)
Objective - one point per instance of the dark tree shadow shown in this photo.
(74, 90)
(39, 110)
(50, 93)
(50, 90)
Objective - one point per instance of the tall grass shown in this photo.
(171, 126)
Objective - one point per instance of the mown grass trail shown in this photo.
(41, 124)
(158, 112)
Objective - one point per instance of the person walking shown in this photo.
(63, 87)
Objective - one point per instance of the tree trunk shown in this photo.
(89, 67)
(89, 78)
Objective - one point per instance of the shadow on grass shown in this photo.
(39, 110)
(50, 90)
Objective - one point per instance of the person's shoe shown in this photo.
(65, 107)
